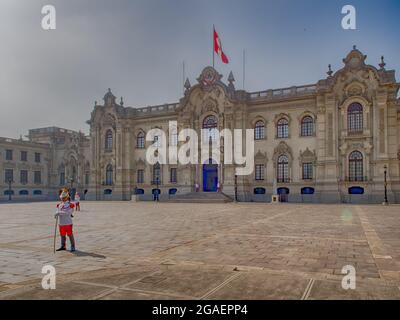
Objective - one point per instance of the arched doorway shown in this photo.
(210, 176)
(283, 194)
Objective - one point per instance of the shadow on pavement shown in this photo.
(88, 254)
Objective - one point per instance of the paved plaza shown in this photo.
(143, 250)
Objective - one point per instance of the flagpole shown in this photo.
(183, 76)
(213, 47)
(244, 66)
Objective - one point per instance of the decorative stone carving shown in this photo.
(281, 149)
(307, 156)
(261, 157)
(210, 105)
(209, 78)
(354, 60)
(109, 99)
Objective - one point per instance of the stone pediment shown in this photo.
(140, 163)
(282, 149)
(261, 156)
(308, 155)
(355, 60)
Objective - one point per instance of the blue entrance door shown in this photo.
(283, 194)
(210, 177)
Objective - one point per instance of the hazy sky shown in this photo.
(52, 78)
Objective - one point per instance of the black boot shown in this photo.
(72, 240)
(63, 241)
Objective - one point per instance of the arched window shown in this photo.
(356, 166)
(282, 128)
(307, 126)
(140, 140)
(109, 140)
(109, 175)
(157, 173)
(210, 125)
(283, 169)
(355, 118)
(259, 130)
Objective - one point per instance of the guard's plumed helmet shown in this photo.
(64, 194)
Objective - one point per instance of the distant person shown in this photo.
(196, 187)
(77, 202)
(156, 195)
(218, 187)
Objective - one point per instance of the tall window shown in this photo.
(37, 177)
(356, 166)
(259, 172)
(173, 137)
(37, 157)
(307, 126)
(157, 141)
(23, 176)
(9, 155)
(109, 175)
(157, 173)
(73, 176)
(109, 140)
(283, 169)
(283, 128)
(259, 130)
(140, 140)
(8, 175)
(210, 125)
(87, 178)
(307, 171)
(24, 156)
(173, 176)
(62, 178)
(140, 176)
(355, 118)
(62, 175)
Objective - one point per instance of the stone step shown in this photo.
(201, 197)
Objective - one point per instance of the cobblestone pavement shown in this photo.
(144, 250)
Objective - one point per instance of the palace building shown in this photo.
(337, 140)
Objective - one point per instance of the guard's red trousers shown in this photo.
(66, 230)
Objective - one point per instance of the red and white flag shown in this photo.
(218, 48)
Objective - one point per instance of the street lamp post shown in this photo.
(236, 187)
(157, 191)
(9, 189)
(385, 201)
(71, 180)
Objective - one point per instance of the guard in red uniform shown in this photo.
(64, 213)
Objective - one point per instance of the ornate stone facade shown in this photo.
(54, 157)
(325, 142)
